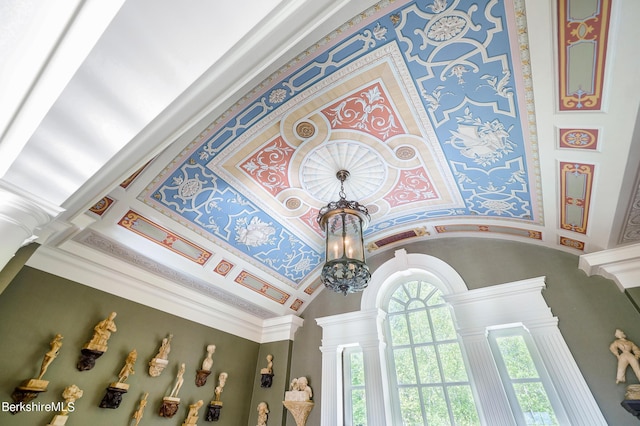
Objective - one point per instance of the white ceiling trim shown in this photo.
(164, 296)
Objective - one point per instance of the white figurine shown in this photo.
(303, 385)
(179, 381)
(165, 348)
(263, 410)
(627, 353)
(161, 360)
(208, 361)
(299, 390)
(222, 379)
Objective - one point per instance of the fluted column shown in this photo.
(20, 218)
(572, 389)
(376, 384)
(331, 405)
(490, 390)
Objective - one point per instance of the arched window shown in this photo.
(430, 384)
(404, 332)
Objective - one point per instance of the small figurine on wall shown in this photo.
(170, 403)
(113, 397)
(213, 412)
(297, 400)
(263, 410)
(70, 395)
(30, 389)
(97, 346)
(161, 360)
(192, 415)
(266, 379)
(627, 353)
(137, 416)
(55, 344)
(203, 373)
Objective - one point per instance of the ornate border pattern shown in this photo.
(262, 287)
(144, 227)
(519, 232)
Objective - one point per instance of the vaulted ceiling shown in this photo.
(192, 145)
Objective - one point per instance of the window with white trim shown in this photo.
(528, 386)
(430, 381)
(355, 407)
(477, 313)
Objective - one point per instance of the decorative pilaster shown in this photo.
(331, 407)
(572, 389)
(486, 379)
(364, 330)
(376, 388)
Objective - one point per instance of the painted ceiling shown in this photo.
(431, 107)
(424, 105)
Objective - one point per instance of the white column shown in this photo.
(572, 389)
(375, 373)
(20, 218)
(492, 398)
(330, 402)
(361, 328)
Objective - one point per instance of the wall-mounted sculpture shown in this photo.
(298, 400)
(627, 353)
(192, 415)
(70, 394)
(160, 361)
(171, 403)
(137, 416)
(263, 411)
(30, 389)
(266, 374)
(203, 373)
(97, 346)
(213, 411)
(113, 397)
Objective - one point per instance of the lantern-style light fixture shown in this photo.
(343, 221)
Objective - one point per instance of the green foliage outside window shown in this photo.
(525, 380)
(431, 378)
(354, 388)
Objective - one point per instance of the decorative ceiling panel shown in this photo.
(583, 31)
(576, 183)
(426, 104)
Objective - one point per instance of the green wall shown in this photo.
(36, 306)
(589, 310)
(274, 395)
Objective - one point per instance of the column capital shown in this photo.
(21, 215)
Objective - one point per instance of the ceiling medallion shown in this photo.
(305, 130)
(405, 152)
(293, 203)
(367, 170)
(343, 222)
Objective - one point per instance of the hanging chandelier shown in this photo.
(343, 221)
